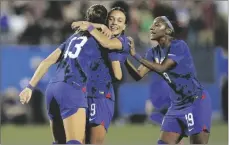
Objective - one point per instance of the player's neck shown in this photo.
(165, 42)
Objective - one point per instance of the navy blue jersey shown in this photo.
(100, 78)
(121, 55)
(182, 78)
(74, 61)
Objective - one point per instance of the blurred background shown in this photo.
(31, 30)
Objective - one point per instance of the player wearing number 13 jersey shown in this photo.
(66, 92)
(190, 110)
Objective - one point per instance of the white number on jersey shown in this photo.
(92, 112)
(189, 119)
(166, 77)
(164, 74)
(78, 47)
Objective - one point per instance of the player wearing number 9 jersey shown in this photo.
(66, 92)
(190, 110)
(100, 82)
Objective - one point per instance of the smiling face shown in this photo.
(117, 22)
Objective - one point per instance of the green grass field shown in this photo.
(128, 134)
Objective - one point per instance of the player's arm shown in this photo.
(116, 67)
(44, 66)
(112, 44)
(104, 30)
(77, 24)
(166, 65)
(175, 55)
(26, 93)
(115, 59)
(137, 74)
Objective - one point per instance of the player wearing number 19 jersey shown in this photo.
(190, 110)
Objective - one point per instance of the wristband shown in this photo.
(137, 56)
(30, 87)
(90, 28)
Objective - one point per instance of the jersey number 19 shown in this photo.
(77, 45)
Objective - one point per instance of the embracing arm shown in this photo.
(101, 37)
(96, 25)
(160, 68)
(44, 66)
(112, 44)
(106, 42)
(137, 74)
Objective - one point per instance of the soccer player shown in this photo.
(66, 90)
(190, 110)
(100, 88)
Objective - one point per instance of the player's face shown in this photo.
(116, 22)
(157, 29)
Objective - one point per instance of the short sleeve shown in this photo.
(118, 56)
(114, 56)
(149, 55)
(62, 46)
(125, 43)
(177, 51)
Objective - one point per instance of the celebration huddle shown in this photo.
(80, 98)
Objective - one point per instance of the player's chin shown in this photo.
(116, 33)
(153, 38)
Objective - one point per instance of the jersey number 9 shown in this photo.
(92, 112)
(77, 45)
(167, 77)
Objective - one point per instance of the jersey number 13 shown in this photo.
(77, 45)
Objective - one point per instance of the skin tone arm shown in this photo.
(137, 74)
(112, 44)
(116, 67)
(103, 27)
(42, 69)
(44, 66)
(160, 68)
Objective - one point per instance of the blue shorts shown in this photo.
(158, 115)
(64, 97)
(100, 111)
(192, 120)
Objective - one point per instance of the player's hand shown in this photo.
(77, 24)
(84, 26)
(132, 46)
(106, 31)
(25, 95)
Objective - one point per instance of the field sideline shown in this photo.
(128, 134)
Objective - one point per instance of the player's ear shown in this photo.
(168, 31)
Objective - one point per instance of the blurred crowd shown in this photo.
(48, 22)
